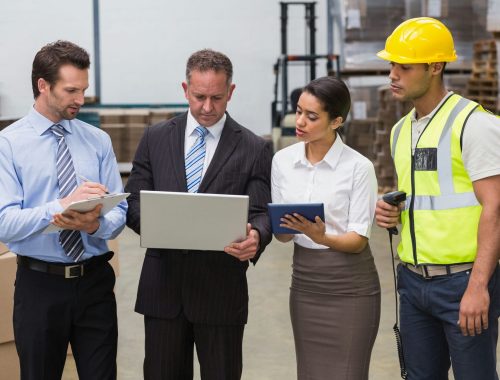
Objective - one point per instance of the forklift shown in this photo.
(284, 134)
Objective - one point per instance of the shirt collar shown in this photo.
(431, 114)
(331, 158)
(214, 131)
(41, 124)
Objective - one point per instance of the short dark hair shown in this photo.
(51, 57)
(333, 94)
(208, 59)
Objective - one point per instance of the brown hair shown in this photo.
(51, 57)
(208, 59)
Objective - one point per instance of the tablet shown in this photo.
(197, 221)
(307, 210)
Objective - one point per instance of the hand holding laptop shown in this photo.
(246, 249)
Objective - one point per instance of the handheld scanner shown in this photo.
(394, 198)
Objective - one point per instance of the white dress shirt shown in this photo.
(212, 138)
(481, 139)
(344, 181)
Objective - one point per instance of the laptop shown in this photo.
(196, 221)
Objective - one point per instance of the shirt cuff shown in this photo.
(100, 231)
(360, 228)
(54, 207)
(484, 174)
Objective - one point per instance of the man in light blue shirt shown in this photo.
(64, 283)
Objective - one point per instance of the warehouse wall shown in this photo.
(144, 47)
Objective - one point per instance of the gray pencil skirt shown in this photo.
(335, 313)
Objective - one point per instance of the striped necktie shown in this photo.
(195, 159)
(71, 240)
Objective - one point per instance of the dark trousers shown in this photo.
(51, 311)
(169, 349)
(430, 334)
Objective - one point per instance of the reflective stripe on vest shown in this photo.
(441, 213)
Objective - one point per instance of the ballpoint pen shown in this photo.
(84, 179)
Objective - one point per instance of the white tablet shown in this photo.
(197, 221)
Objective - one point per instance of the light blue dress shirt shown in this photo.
(29, 190)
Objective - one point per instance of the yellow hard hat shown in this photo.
(419, 40)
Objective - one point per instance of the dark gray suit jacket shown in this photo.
(209, 287)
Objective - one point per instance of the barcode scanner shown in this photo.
(394, 198)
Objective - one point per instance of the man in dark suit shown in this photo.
(200, 297)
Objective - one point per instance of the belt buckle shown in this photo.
(424, 270)
(68, 274)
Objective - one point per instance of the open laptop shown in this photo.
(197, 221)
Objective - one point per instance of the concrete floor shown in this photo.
(268, 341)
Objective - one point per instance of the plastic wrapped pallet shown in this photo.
(378, 18)
(493, 16)
(360, 134)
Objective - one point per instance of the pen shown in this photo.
(84, 179)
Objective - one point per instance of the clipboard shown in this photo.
(108, 201)
(307, 210)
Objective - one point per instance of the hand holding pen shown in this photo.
(84, 179)
(88, 189)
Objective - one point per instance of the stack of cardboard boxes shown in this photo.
(482, 86)
(390, 111)
(483, 83)
(126, 127)
(9, 362)
(4, 122)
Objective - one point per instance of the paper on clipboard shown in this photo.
(108, 201)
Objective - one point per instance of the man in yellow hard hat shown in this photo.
(447, 157)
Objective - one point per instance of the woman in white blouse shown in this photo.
(335, 290)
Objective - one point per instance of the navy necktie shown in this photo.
(71, 240)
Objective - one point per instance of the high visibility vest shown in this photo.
(441, 215)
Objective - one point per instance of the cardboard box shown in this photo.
(3, 248)
(116, 133)
(8, 269)
(115, 263)
(9, 361)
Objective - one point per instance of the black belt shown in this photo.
(68, 270)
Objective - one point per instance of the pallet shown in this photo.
(488, 102)
(485, 46)
(484, 82)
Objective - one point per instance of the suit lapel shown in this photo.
(176, 149)
(229, 139)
